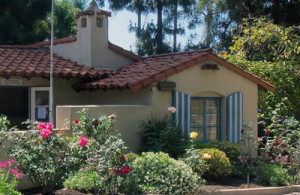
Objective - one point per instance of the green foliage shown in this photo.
(84, 180)
(231, 150)
(130, 157)
(272, 174)
(195, 161)
(218, 164)
(162, 135)
(8, 179)
(7, 188)
(271, 52)
(4, 123)
(157, 173)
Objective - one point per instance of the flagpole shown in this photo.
(51, 66)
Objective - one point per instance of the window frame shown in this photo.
(32, 100)
(219, 102)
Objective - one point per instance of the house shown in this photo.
(213, 97)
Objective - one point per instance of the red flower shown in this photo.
(112, 117)
(41, 126)
(116, 171)
(76, 121)
(267, 131)
(82, 142)
(49, 126)
(45, 133)
(277, 142)
(96, 123)
(122, 157)
(125, 170)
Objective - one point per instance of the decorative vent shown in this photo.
(83, 22)
(210, 67)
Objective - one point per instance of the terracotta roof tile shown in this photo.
(158, 67)
(34, 62)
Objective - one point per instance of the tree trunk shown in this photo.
(159, 34)
(139, 25)
(175, 26)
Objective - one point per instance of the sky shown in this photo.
(119, 29)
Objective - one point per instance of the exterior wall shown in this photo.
(91, 46)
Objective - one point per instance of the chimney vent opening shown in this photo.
(83, 22)
(99, 22)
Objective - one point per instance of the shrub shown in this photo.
(157, 173)
(231, 150)
(195, 161)
(130, 157)
(218, 165)
(84, 180)
(272, 174)
(162, 135)
(8, 178)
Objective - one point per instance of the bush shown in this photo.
(218, 165)
(85, 181)
(195, 161)
(231, 150)
(272, 174)
(157, 173)
(162, 135)
(130, 157)
(8, 178)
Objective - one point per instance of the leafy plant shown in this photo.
(157, 173)
(4, 123)
(130, 157)
(84, 180)
(272, 174)
(8, 178)
(195, 161)
(162, 135)
(218, 164)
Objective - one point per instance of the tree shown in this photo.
(20, 20)
(272, 52)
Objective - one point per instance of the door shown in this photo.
(40, 104)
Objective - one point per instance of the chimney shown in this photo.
(92, 35)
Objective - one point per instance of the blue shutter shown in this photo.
(182, 116)
(234, 117)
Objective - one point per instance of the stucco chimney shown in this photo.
(92, 35)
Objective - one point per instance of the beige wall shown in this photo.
(91, 46)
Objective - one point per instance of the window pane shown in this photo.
(197, 106)
(197, 120)
(42, 98)
(211, 133)
(211, 119)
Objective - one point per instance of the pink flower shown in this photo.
(272, 161)
(267, 131)
(277, 142)
(45, 133)
(82, 142)
(4, 165)
(20, 175)
(76, 122)
(259, 139)
(11, 161)
(14, 171)
(41, 126)
(125, 170)
(112, 117)
(172, 109)
(49, 126)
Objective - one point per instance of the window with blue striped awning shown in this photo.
(182, 103)
(234, 117)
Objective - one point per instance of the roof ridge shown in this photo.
(180, 52)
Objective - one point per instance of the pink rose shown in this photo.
(82, 142)
(172, 109)
(14, 171)
(49, 126)
(11, 161)
(125, 170)
(45, 133)
(267, 131)
(112, 117)
(116, 171)
(20, 175)
(277, 142)
(259, 139)
(41, 126)
(4, 165)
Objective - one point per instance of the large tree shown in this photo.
(19, 20)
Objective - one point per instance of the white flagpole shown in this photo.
(51, 66)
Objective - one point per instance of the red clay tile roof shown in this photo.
(155, 68)
(34, 62)
(111, 46)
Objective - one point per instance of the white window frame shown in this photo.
(32, 100)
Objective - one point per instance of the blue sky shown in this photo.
(119, 25)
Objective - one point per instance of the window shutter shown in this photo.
(234, 117)
(182, 116)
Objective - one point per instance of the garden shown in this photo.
(94, 159)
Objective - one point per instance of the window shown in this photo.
(206, 118)
(99, 22)
(40, 104)
(83, 22)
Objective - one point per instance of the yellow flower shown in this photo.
(193, 135)
(206, 156)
